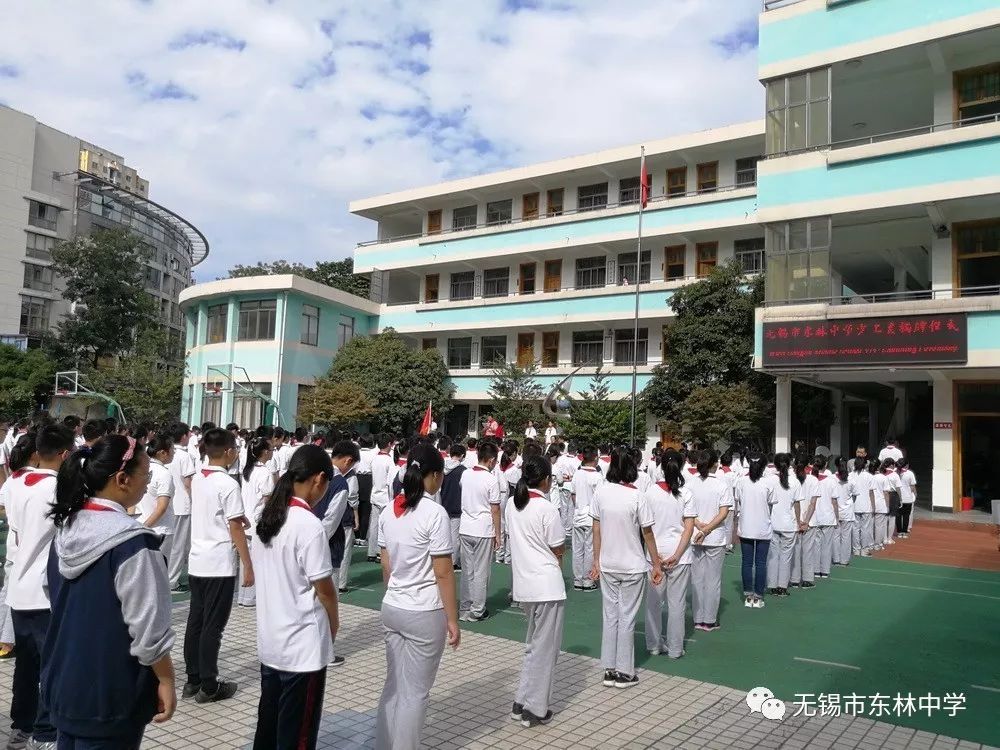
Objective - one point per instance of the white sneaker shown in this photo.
(758, 604)
(654, 652)
(890, 541)
(18, 740)
(865, 553)
(748, 602)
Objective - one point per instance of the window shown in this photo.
(625, 348)
(34, 315)
(592, 197)
(218, 317)
(591, 272)
(746, 171)
(527, 281)
(553, 275)
(677, 181)
(462, 285)
(550, 349)
(499, 212)
(431, 287)
(525, 349)
(38, 277)
(529, 206)
(249, 408)
(42, 215)
(708, 177)
(493, 351)
(496, 282)
(434, 222)
(310, 325)
(39, 246)
(345, 330)
(977, 256)
(460, 353)
(750, 254)
(154, 278)
(588, 347)
(554, 202)
(798, 260)
(464, 218)
(211, 403)
(674, 262)
(798, 112)
(978, 93)
(257, 320)
(428, 344)
(626, 268)
(628, 190)
(708, 256)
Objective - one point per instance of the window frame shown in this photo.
(434, 221)
(499, 212)
(631, 194)
(527, 214)
(555, 208)
(597, 341)
(624, 262)
(673, 192)
(35, 277)
(667, 264)
(464, 225)
(624, 338)
(742, 253)
(454, 284)
(704, 184)
(704, 267)
(550, 349)
(39, 308)
(487, 346)
(345, 330)
(958, 229)
(961, 75)
(215, 322)
(487, 282)
(592, 200)
(452, 349)
(599, 270)
(752, 169)
(522, 278)
(435, 286)
(778, 107)
(309, 335)
(260, 321)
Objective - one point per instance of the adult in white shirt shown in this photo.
(297, 615)
(622, 518)
(154, 509)
(419, 610)
(182, 469)
(584, 485)
(383, 472)
(479, 532)
(673, 526)
(785, 515)
(891, 450)
(550, 433)
(754, 496)
(530, 432)
(537, 544)
(714, 501)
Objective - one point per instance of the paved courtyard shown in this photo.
(472, 696)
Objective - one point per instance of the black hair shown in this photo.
(874, 465)
(671, 462)
(366, 440)
(706, 460)
(402, 449)
(903, 464)
(487, 451)
(383, 440)
(206, 426)
(726, 459)
(623, 469)
(534, 472)
(843, 467)
(756, 466)
(93, 429)
(887, 464)
(254, 452)
(23, 424)
(346, 448)
(72, 421)
(160, 443)
(87, 472)
(782, 462)
(301, 433)
(215, 442)
(509, 454)
(306, 462)
(279, 433)
(443, 443)
(801, 462)
(819, 463)
(178, 431)
(423, 460)
(860, 463)
(589, 454)
(22, 451)
(457, 450)
(53, 439)
(531, 448)
(232, 426)
(471, 443)
(553, 451)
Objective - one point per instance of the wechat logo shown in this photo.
(761, 700)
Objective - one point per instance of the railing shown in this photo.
(907, 296)
(775, 4)
(38, 221)
(574, 212)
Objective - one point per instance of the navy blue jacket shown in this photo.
(451, 491)
(337, 484)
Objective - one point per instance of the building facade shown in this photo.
(56, 187)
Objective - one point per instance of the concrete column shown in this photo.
(873, 432)
(783, 414)
(943, 472)
(899, 274)
(837, 433)
(942, 270)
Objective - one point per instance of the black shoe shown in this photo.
(794, 585)
(457, 568)
(610, 676)
(589, 587)
(781, 592)
(343, 590)
(515, 711)
(626, 680)
(808, 585)
(578, 587)
(529, 720)
(225, 691)
(372, 558)
(190, 690)
(484, 616)
(710, 626)
(338, 661)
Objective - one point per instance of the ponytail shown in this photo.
(706, 460)
(782, 464)
(670, 463)
(422, 461)
(842, 468)
(254, 452)
(88, 470)
(534, 472)
(21, 453)
(306, 462)
(756, 468)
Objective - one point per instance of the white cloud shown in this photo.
(259, 121)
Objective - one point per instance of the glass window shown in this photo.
(677, 181)
(591, 272)
(674, 261)
(708, 177)
(550, 349)
(34, 315)
(588, 347)
(431, 287)
(592, 197)
(746, 171)
(797, 260)
(493, 350)
(154, 278)
(310, 325)
(249, 409)
(708, 257)
(345, 330)
(798, 112)
(978, 93)
(42, 215)
(555, 202)
(463, 285)
(626, 268)
(257, 320)
(496, 282)
(218, 317)
(428, 344)
(977, 254)
(464, 218)
(628, 190)
(750, 254)
(39, 246)
(460, 353)
(38, 277)
(499, 212)
(625, 346)
(211, 403)
(527, 283)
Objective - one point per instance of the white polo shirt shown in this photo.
(825, 515)
(293, 629)
(254, 490)
(480, 491)
(669, 512)
(161, 484)
(410, 540)
(880, 483)
(862, 486)
(31, 498)
(623, 512)
(783, 512)
(845, 502)
(810, 489)
(383, 471)
(585, 483)
(908, 481)
(13, 479)
(471, 458)
(710, 495)
(533, 532)
(215, 500)
(283, 456)
(754, 500)
(181, 467)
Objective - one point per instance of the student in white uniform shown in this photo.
(843, 542)
(155, 510)
(729, 473)
(585, 482)
(622, 520)
(550, 433)
(258, 484)
(383, 472)
(713, 501)
(754, 497)
(863, 491)
(511, 471)
(785, 515)
(893, 493)
(297, 615)
(530, 432)
(880, 487)
(22, 459)
(182, 470)
(826, 516)
(471, 453)
(673, 526)
(419, 610)
(806, 554)
(908, 496)
(891, 450)
(479, 532)
(537, 544)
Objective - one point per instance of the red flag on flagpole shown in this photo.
(425, 426)
(643, 182)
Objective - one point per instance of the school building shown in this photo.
(869, 196)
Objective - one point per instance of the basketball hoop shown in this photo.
(62, 392)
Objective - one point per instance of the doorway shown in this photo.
(456, 424)
(553, 275)
(978, 448)
(525, 349)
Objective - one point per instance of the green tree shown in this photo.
(334, 404)
(515, 391)
(336, 273)
(596, 419)
(398, 380)
(814, 413)
(26, 380)
(714, 413)
(147, 388)
(104, 276)
(709, 344)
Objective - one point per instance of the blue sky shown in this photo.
(259, 120)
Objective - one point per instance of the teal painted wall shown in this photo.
(852, 22)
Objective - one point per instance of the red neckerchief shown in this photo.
(35, 477)
(588, 468)
(19, 473)
(628, 484)
(665, 487)
(295, 502)
(383, 453)
(820, 477)
(399, 504)
(693, 470)
(401, 462)
(725, 469)
(809, 470)
(477, 467)
(91, 505)
(536, 493)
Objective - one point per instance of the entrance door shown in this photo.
(529, 206)
(553, 275)
(526, 284)
(978, 449)
(525, 349)
(456, 424)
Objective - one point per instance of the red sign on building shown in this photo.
(895, 340)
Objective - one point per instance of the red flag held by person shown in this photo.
(643, 182)
(425, 426)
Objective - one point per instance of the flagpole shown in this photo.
(638, 278)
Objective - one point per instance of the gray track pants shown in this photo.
(373, 548)
(706, 579)
(844, 543)
(866, 530)
(621, 595)
(456, 541)
(881, 524)
(542, 643)
(477, 554)
(583, 554)
(804, 559)
(668, 602)
(345, 564)
(179, 550)
(824, 548)
(779, 558)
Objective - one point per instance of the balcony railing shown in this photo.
(574, 212)
(907, 296)
(775, 4)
